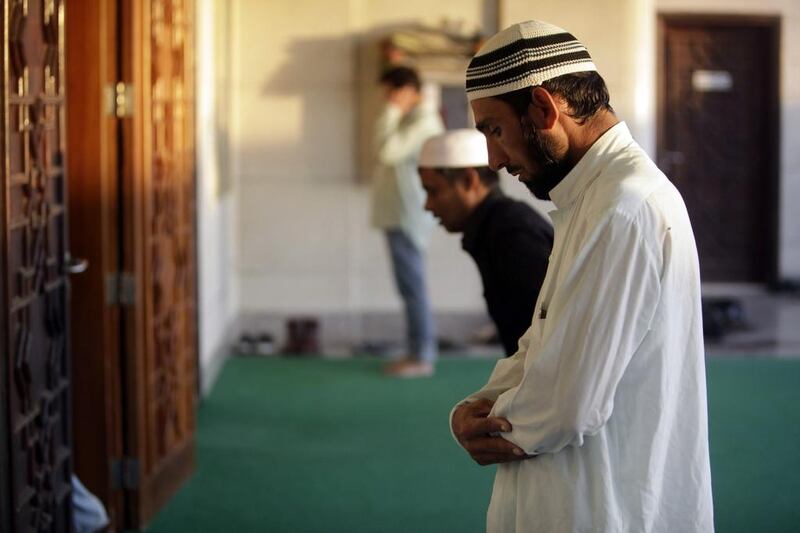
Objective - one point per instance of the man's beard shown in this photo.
(543, 151)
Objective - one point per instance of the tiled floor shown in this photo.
(772, 327)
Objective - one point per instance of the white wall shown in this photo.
(789, 11)
(216, 203)
(304, 224)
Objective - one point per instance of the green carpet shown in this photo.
(308, 445)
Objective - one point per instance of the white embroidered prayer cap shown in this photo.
(462, 148)
(525, 55)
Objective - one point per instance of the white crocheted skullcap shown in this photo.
(525, 55)
(462, 148)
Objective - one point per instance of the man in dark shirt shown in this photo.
(508, 240)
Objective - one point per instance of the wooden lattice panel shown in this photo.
(36, 360)
(170, 233)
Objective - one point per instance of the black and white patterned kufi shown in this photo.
(524, 55)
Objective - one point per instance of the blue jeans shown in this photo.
(408, 265)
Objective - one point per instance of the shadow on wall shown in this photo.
(301, 123)
(324, 97)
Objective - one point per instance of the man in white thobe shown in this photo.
(598, 422)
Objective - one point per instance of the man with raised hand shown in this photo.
(397, 210)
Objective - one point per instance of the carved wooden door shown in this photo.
(159, 188)
(132, 161)
(35, 463)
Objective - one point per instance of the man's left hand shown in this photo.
(477, 433)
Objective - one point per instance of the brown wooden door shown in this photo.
(35, 377)
(718, 138)
(159, 225)
(133, 158)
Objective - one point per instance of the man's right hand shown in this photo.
(404, 98)
(473, 427)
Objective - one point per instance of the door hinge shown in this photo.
(125, 473)
(119, 100)
(120, 288)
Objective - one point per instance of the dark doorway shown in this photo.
(718, 137)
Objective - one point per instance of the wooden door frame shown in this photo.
(5, 479)
(131, 167)
(5, 351)
(772, 24)
(91, 34)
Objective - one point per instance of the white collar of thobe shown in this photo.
(590, 166)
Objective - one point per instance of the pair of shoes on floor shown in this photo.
(408, 368)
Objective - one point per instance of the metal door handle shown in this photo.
(75, 265)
